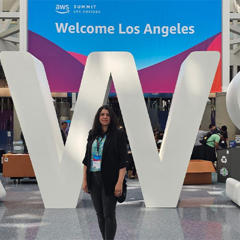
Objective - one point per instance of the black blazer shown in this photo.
(114, 157)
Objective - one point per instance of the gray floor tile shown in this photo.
(204, 213)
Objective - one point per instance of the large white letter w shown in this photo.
(59, 169)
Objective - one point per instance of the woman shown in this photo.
(105, 168)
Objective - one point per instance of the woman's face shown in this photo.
(104, 117)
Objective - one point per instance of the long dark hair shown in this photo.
(97, 127)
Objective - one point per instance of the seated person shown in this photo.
(211, 145)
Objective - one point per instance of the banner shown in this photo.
(159, 33)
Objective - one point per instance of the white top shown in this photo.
(200, 135)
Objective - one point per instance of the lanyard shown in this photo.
(99, 140)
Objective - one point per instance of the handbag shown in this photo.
(122, 198)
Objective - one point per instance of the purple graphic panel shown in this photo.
(64, 72)
(163, 76)
(64, 69)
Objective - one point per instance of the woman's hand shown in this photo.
(84, 186)
(118, 189)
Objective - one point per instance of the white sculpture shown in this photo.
(2, 191)
(59, 170)
(233, 190)
(233, 108)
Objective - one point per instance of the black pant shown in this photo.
(210, 153)
(105, 207)
(198, 152)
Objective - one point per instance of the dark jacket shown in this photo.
(114, 157)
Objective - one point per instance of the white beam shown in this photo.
(225, 44)
(7, 46)
(235, 41)
(9, 15)
(235, 29)
(5, 25)
(9, 32)
(236, 7)
(234, 16)
(236, 50)
(1, 5)
(23, 25)
(12, 39)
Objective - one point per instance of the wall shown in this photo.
(206, 120)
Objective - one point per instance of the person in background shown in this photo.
(25, 150)
(211, 145)
(158, 138)
(131, 169)
(212, 128)
(161, 133)
(224, 137)
(200, 135)
(64, 126)
(104, 168)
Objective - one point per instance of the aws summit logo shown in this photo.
(62, 8)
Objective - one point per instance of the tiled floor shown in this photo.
(203, 213)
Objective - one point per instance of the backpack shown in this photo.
(203, 141)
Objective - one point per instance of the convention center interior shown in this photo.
(119, 120)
